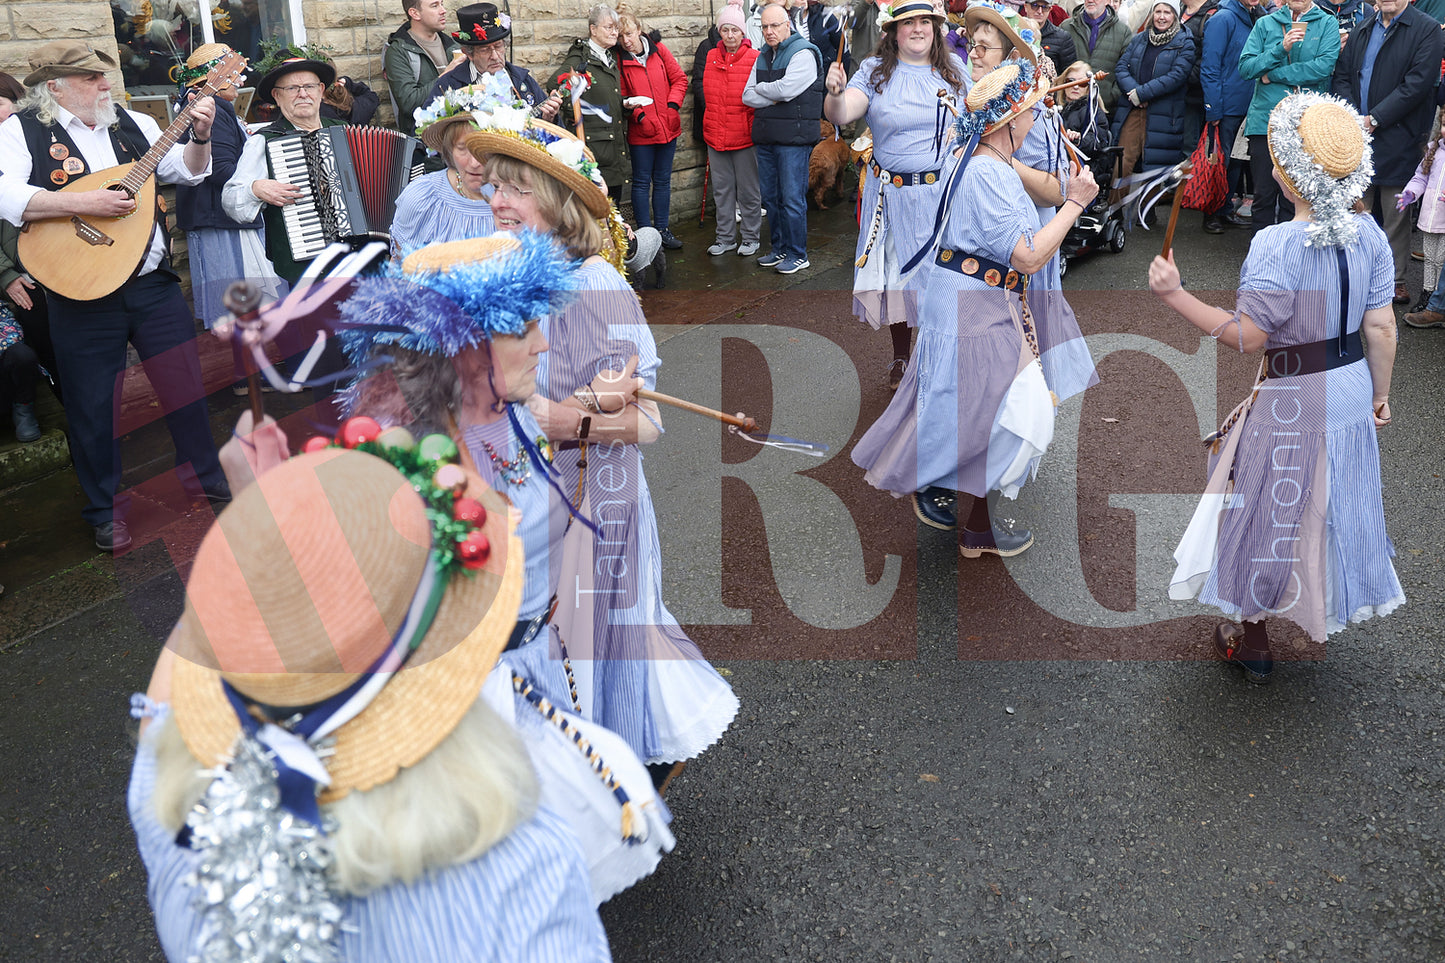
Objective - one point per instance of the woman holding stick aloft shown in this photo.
(1298, 464)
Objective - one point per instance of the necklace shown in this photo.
(515, 472)
(455, 179)
(1001, 155)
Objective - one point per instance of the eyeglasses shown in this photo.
(981, 47)
(510, 190)
(1038, 6)
(301, 88)
(775, 26)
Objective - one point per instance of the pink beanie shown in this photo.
(732, 13)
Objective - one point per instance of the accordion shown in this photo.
(349, 178)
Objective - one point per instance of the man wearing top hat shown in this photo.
(482, 32)
(68, 126)
(295, 86)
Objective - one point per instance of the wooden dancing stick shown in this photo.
(1078, 83)
(243, 299)
(842, 45)
(1183, 175)
(745, 423)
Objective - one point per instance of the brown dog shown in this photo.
(829, 165)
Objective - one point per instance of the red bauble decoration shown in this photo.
(356, 430)
(469, 510)
(316, 443)
(474, 550)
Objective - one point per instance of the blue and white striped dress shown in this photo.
(638, 672)
(526, 898)
(430, 211)
(1302, 535)
(1068, 366)
(912, 132)
(962, 418)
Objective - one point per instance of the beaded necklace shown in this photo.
(515, 472)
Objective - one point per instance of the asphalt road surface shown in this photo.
(936, 759)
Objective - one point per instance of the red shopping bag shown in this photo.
(1208, 184)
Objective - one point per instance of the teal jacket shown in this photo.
(1308, 65)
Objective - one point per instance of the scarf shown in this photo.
(1094, 25)
(1160, 38)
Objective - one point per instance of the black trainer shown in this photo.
(669, 240)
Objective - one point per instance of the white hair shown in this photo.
(600, 14)
(47, 106)
(459, 801)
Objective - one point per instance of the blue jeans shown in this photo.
(1437, 297)
(652, 172)
(783, 171)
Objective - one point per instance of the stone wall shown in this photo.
(355, 31)
(26, 24)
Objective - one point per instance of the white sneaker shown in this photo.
(721, 248)
(748, 249)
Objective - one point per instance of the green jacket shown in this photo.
(9, 264)
(1114, 36)
(409, 74)
(606, 140)
(1309, 64)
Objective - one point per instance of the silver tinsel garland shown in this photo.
(1332, 200)
(261, 882)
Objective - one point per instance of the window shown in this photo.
(156, 35)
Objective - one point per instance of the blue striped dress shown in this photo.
(525, 899)
(912, 133)
(1302, 535)
(430, 211)
(638, 672)
(963, 418)
(1068, 366)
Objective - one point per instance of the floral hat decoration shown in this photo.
(1319, 147)
(1022, 33)
(481, 24)
(903, 9)
(491, 93)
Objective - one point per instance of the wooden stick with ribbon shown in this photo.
(1183, 176)
(741, 425)
(243, 299)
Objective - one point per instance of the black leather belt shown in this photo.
(525, 632)
(904, 180)
(987, 270)
(1316, 356)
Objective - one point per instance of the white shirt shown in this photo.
(95, 147)
(237, 199)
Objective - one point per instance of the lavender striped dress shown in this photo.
(525, 899)
(964, 417)
(638, 673)
(1068, 366)
(1302, 535)
(430, 211)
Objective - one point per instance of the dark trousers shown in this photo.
(652, 181)
(90, 339)
(1228, 131)
(1270, 204)
(35, 322)
(19, 370)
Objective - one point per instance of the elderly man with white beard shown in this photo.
(66, 127)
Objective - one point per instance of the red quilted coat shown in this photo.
(727, 124)
(662, 80)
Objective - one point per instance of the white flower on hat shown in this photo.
(505, 20)
(509, 118)
(567, 151)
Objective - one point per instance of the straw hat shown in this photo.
(1022, 33)
(300, 586)
(553, 151)
(199, 63)
(904, 9)
(1001, 95)
(1319, 147)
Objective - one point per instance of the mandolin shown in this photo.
(85, 258)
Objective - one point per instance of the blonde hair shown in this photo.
(625, 17)
(463, 798)
(1429, 160)
(1088, 71)
(578, 231)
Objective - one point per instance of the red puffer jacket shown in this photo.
(662, 80)
(727, 123)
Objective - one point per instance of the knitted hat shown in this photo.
(1171, 4)
(732, 13)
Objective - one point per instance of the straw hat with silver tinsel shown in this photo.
(1320, 149)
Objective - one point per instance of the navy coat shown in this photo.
(1163, 95)
(1402, 89)
(1226, 93)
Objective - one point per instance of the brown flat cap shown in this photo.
(66, 58)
